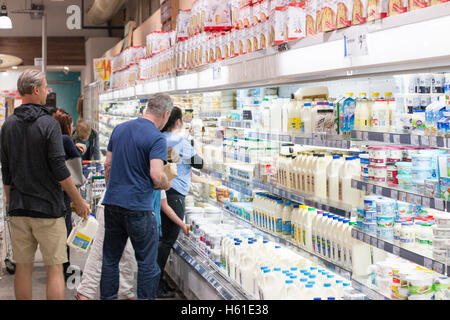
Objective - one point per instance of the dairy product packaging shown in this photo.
(83, 234)
(328, 15)
(279, 25)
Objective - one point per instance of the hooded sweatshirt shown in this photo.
(33, 162)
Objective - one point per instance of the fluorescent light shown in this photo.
(66, 68)
(5, 21)
(14, 67)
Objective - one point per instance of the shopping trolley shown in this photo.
(95, 184)
(5, 241)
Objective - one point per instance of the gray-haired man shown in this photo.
(33, 171)
(134, 164)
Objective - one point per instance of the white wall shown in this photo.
(8, 80)
(24, 26)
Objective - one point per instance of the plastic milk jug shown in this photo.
(320, 180)
(307, 226)
(286, 219)
(333, 169)
(314, 231)
(83, 234)
(292, 291)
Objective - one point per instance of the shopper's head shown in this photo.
(65, 120)
(175, 120)
(32, 86)
(83, 130)
(159, 106)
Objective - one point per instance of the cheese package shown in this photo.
(218, 15)
(310, 12)
(397, 6)
(344, 13)
(418, 4)
(359, 14)
(280, 25)
(264, 10)
(183, 24)
(377, 9)
(328, 15)
(296, 21)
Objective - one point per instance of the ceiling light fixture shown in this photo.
(14, 67)
(5, 21)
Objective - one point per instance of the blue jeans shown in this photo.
(141, 227)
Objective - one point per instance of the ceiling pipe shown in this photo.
(103, 10)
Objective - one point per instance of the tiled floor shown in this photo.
(39, 280)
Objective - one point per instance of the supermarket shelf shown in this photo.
(401, 138)
(322, 56)
(309, 200)
(236, 124)
(235, 186)
(361, 284)
(286, 242)
(130, 117)
(207, 271)
(211, 114)
(400, 194)
(212, 173)
(415, 257)
(236, 157)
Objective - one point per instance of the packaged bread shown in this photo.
(264, 34)
(359, 14)
(212, 49)
(234, 43)
(310, 20)
(319, 6)
(397, 6)
(435, 2)
(264, 10)
(296, 21)
(377, 9)
(280, 25)
(257, 29)
(344, 13)
(242, 41)
(256, 13)
(226, 45)
(219, 40)
(248, 39)
(218, 15)
(328, 15)
(245, 16)
(418, 4)
(235, 6)
(183, 24)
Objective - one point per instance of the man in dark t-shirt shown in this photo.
(134, 164)
(33, 172)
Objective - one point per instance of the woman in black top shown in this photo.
(65, 120)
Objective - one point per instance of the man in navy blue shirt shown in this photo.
(134, 164)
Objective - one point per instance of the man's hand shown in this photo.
(185, 229)
(82, 209)
(81, 147)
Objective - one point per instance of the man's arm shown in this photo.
(107, 164)
(81, 207)
(159, 178)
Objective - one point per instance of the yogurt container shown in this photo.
(420, 286)
(441, 244)
(394, 154)
(370, 202)
(440, 255)
(370, 216)
(370, 228)
(392, 174)
(421, 161)
(421, 174)
(442, 233)
(386, 207)
(404, 181)
(403, 167)
(442, 220)
(379, 173)
(378, 155)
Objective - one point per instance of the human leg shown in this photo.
(128, 271)
(55, 282)
(113, 245)
(23, 281)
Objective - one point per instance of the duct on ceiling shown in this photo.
(103, 10)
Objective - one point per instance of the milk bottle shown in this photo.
(333, 170)
(286, 219)
(279, 217)
(311, 292)
(359, 256)
(332, 236)
(341, 242)
(83, 234)
(233, 256)
(314, 231)
(286, 104)
(320, 176)
(310, 173)
(306, 126)
(347, 194)
(329, 292)
(363, 114)
(306, 230)
(294, 117)
(320, 227)
(336, 239)
(265, 112)
(247, 266)
(303, 167)
(294, 222)
(276, 116)
(303, 212)
(327, 236)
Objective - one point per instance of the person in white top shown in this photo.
(90, 281)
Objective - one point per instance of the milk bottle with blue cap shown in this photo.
(319, 230)
(306, 230)
(324, 239)
(83, 234)
(335, 238)
(333, 171)
(286, 219)
(314, 231)
(328, 292)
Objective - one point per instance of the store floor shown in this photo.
(39, 280)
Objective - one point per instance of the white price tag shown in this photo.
(354, 184)
(378, 190)
(358, 135)
(417, 200)
(428, 263)
(433, 141)
(367, 238)
(361, 236)
(386, 137)
(217, 72)
(355, 44)
(439, 204)
(394, 194)
(396, 250)
(438, 267)
(415, 140)
(365, 136)
(373, 242)
(396, 138)
(371, 188)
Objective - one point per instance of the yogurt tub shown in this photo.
(422, 161)
(442, 220)
(420, 287)
(441, 244)
(408, 153)
(392, 173)
(379, 173)
(370, 202)
(386, 207)
(370, 228)
(404, 181)
(421, 174)
(403, 167)
(395, 154)
(378, 155)
(370, 216)
(442, 233)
